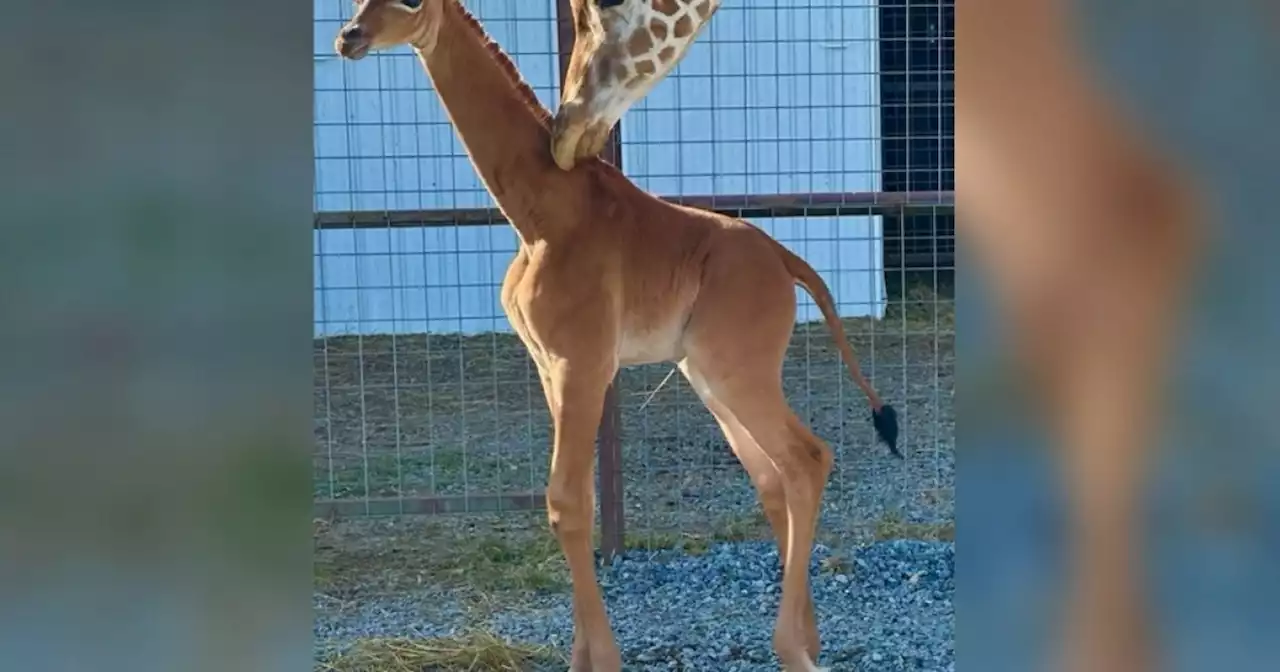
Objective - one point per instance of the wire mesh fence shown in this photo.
(828, 123)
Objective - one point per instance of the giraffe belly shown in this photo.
(647, 344)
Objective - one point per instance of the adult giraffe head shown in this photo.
(621, 49)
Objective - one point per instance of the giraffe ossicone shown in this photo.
(621, 50)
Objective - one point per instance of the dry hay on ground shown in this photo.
(472, 652)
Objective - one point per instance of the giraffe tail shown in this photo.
(884, 418)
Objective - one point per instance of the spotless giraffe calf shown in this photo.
(607, 275)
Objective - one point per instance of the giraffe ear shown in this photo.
(606, 4)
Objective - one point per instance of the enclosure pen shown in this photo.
(827, 123)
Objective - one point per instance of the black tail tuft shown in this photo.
(886, 424)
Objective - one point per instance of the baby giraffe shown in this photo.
(607, 275)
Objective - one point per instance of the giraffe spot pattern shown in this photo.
(668, 7)
(658, 28)
(640, 43)
(684, 27)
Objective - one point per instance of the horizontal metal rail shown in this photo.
(735, 205)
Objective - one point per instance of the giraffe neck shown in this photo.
(654, 36)
(498, 118)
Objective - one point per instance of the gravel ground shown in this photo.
(883, 606)
(433, 414)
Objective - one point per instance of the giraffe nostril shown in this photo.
(352, 33)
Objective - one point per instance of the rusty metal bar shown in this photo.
(609, 443)
(389, 506)
(734, 205)
(608, 439)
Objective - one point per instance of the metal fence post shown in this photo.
(608, 442)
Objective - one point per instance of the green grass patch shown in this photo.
(753, 527)
(441, 554)
(892, 525)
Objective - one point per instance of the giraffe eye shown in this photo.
(411, 4)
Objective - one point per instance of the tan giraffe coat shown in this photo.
(621, 50)
(607, 275)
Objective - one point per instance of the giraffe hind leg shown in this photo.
(767, 480)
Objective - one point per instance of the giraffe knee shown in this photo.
(824, 462)
(806, 468)
(768, 482)
(822, 456)
(809, 453)
(568, 508)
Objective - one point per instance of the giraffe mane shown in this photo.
(508, 66)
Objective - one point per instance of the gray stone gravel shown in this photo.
(886, 606)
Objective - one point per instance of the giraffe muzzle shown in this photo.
(352, 42)
(567, 130)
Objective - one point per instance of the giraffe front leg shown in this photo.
(580, 661)
(576, 395)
